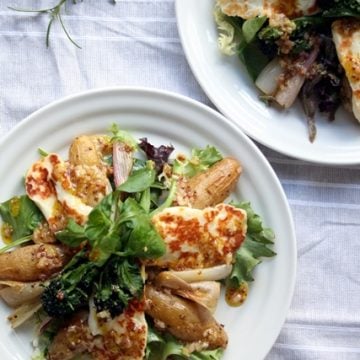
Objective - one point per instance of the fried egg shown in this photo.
(197, 238)
(346, 36)
(248, 9)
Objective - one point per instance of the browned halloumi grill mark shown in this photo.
(72, 339)
(346, 36)
(248, 9)
(197, 239)
(123, 337)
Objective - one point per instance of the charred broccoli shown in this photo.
(113, 285)
(71, 289)
(339, 8)
(120, 281)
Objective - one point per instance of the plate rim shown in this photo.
(172, 96)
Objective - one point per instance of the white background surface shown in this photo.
(137, 43)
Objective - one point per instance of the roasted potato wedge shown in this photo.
(184, 319)
(89, 149)
(210, 187)
(33, 262)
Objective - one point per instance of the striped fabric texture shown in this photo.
(135, 42)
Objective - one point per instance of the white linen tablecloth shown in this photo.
(136, 42)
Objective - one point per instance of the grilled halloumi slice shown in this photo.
(248, 9)
(346, 36)
(199, 238)
(47, 183)
(123, 337)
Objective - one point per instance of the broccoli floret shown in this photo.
(268, 36)
(113, 285)
(120, 281)
(338, 8)
(70, 290)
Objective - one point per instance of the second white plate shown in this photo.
(228, 86)
(167, 118)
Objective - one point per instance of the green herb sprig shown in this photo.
(55, 14)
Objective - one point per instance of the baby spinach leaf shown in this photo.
(103, 228)
(145, 200)
(248, 53)
(73, 234)
(140, 179)
(142, 239)
(21, 216)
(123, 228)
(251, 27)
(169, 199)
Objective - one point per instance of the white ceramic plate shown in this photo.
(227, 84)
(167, 118)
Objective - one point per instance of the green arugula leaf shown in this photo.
(101, 218)
(201, 159)
(73, 234)
(139, 180)
(141, 239)
(20, 216)
(255, 247)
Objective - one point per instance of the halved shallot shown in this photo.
(122, 162)
(205, 293)
(207, 274)
(16, 293)
(282, 79)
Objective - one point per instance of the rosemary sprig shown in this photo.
(55, 14)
